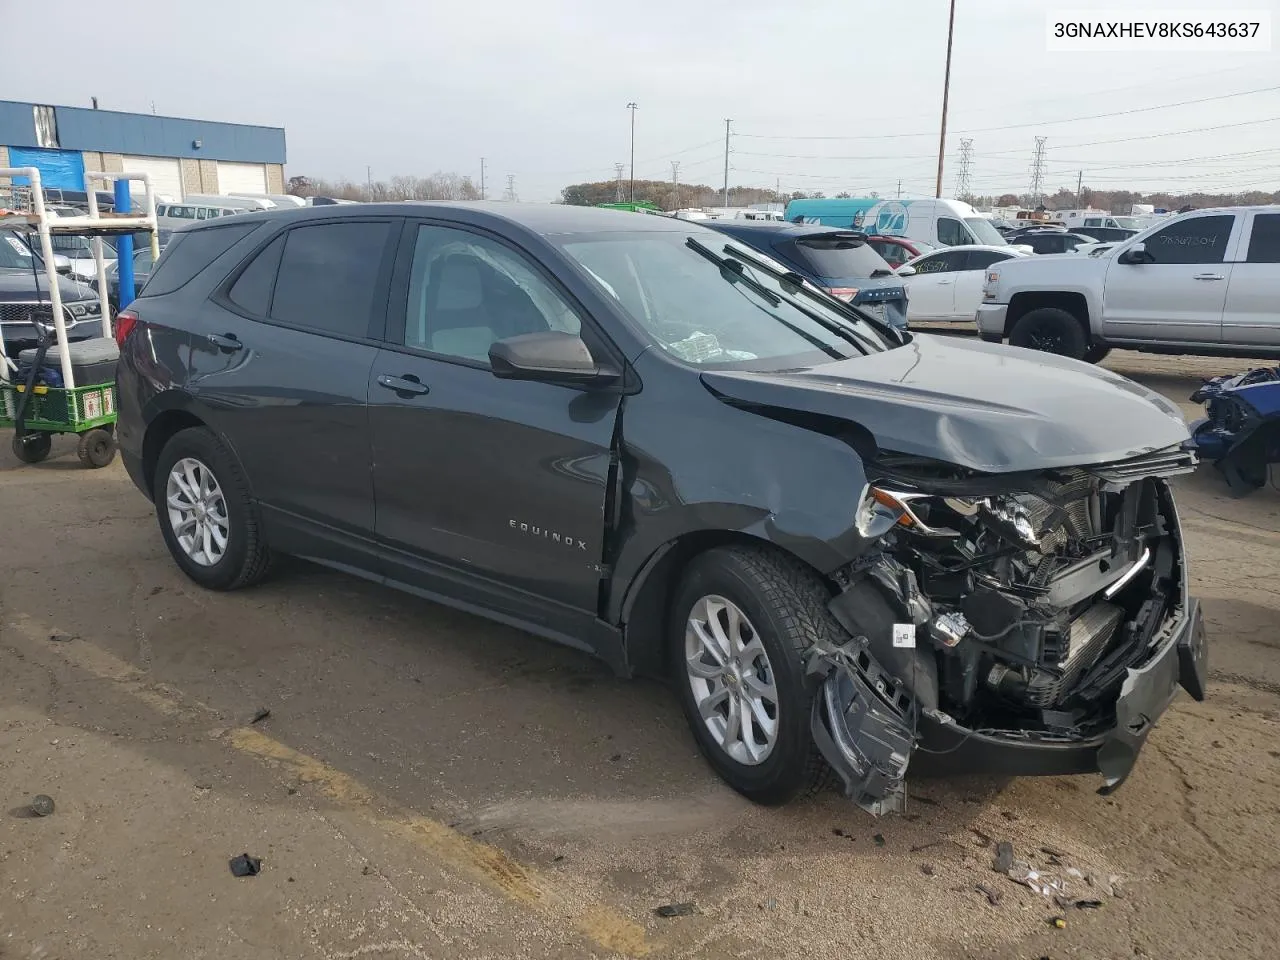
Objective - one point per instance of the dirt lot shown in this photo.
(432, 785)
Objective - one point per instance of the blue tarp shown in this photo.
(63, 169)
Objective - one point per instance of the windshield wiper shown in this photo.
(734, 267)
(732, 271)
(843, 331)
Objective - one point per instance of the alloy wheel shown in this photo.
(197, 511)
(732, 680)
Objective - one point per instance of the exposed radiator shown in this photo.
(1086, 640)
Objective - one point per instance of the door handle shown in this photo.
(1209, 276)
(226, 341)
(943, 283)
(408, 385)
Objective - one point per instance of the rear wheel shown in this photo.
(742, 619)
(1096, 353)
(1050, 330)
(97, 448)
(210, 523)
(32, 447)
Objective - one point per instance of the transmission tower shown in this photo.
(618, 168)
(511, 187)
(675, 180)
(1037, 172)
(963, 190)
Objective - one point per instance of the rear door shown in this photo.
(967, 289)
(283, 371)
(1180, 294)
(497, 486)
(1252, 311)
(931, 292)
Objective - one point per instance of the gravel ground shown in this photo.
(428, 784)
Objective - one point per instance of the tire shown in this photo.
(1096, 353)
(32, 448)
(1050, 330)
(97, 448)
(786, 606)
(244, 558)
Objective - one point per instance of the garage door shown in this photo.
(166, 177)
(240, 178)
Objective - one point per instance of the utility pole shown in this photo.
(1037, 171)
(899, 189)
(726, 162)
(632, 107)
(511, 187)
(482, 178)
(1079, 185)
(619, 167)
(962, 178)
(675, 180)
(368, 180)
(946, 93)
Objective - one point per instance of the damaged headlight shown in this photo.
(934, 515)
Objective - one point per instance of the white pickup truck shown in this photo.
(1205, 282)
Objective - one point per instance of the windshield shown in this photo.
(15, 254)
(1128, 223)
(981, 228)
(839, 259)
(707, 314)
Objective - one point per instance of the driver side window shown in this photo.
(951, 233)
(467, 291)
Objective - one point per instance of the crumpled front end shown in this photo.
(1241, 430)
(1036, 623)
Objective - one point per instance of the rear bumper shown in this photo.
(990, 319)
(1146, 694)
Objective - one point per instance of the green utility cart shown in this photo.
(61, 385)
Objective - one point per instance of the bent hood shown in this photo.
(982, 406)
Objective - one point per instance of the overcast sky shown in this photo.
(540, 87)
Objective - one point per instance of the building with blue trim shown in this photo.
(182, 156)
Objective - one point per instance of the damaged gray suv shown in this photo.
(844, 544)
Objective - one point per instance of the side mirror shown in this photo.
(61, 264)
(905, 271)
(1136, 254)
(550, 357)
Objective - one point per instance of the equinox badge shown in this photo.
(544, 533)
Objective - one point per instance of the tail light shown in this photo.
(126, 320)
(843, 293)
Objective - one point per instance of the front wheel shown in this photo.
(1050, 330)
(209, 521)
(742, 619)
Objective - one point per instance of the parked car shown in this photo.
(898, 250)
(1204, 282)
(841, 262)
(142, 264)
(1106, 234)
(25, 310)
(1053, 241)
(1240, 431)
(636, 436)
(947, 285)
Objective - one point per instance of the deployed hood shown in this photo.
(981, 406)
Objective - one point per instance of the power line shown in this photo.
(1022, 126)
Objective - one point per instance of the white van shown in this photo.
(237, 202)
(181, 214)
(279, 199)
(943, 223)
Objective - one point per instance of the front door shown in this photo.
(931, 292)
(1178, 295)
(501, 482)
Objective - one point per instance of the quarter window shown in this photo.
(328, 276)
(467, 291)
(1198, 240)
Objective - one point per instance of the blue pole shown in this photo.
(124, 248)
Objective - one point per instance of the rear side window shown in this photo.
(1196, 240)
(252, 289)
(190, 251)
(981, 259)
(328, 277)
(1264, 245)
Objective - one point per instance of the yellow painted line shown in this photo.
(463, 854)
(453, 850)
